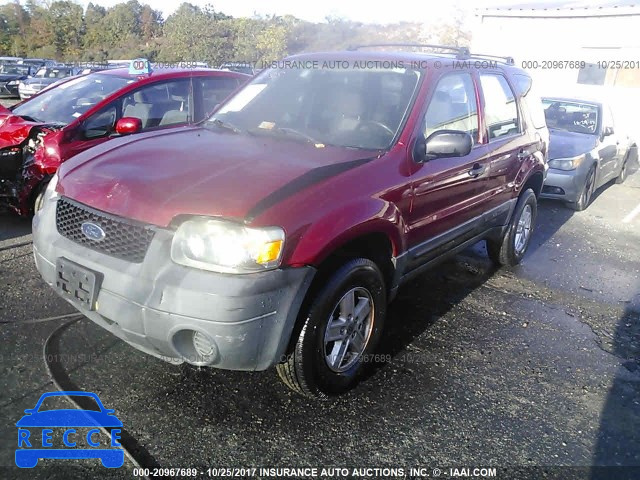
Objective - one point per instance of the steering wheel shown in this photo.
(379, 125)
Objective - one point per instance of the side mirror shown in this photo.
(128, 125)
(443, 144)
(607, 131)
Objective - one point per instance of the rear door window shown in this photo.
(500, 111)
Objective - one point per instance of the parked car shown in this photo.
(11, 74)
(37, 62)
(37, 135)
(585, 150)
(276, 232)
(44, 77)
(242, 67)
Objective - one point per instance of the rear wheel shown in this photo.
(510, 249)
(341, 329)
(587, 191)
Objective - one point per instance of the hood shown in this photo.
(563, 144)
(156, 176)
(69, 418)
(13, 129)
(8, 78)
(39, 81)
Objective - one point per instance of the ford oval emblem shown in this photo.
(93, 231)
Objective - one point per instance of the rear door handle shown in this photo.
(477, 170)
(522, 154)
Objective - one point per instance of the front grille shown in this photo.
(123, 238)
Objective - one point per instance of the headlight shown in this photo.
(567, 163)
(50, 193)
(227, 247)
(13, 82)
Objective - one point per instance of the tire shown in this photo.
(510, 249)
(624, 172)
(587, 191)
(38, 200)
(321, 367)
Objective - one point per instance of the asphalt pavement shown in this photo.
(532, 366)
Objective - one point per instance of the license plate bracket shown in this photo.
(77, 283)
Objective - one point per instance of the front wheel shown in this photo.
(510, 249)
(341, 330)
(587, 191)
(623, 172)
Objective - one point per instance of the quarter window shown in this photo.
(453, 106)
(500, 112)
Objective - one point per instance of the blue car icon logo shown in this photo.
(61, 433)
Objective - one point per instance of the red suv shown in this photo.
(37, 135)
(276, 232)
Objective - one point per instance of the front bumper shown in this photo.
(152, 305)
(563, 185)
(25, 93)
(9, 91)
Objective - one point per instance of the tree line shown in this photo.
(64, 31)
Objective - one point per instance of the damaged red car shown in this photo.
(38, 135)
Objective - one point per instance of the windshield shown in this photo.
(56, 72)
(14, 69)
(68, 101)
(347, 107)
(571, 116)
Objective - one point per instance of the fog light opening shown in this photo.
(195, 347)
(204, 347)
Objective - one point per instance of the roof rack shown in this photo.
(460, 51)
(507, 60)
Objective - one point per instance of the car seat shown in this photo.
(176, 110)
(138, 109)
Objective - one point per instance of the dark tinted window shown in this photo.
(215, 90)
(591, 74)
(501, 112)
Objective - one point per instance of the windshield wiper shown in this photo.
(284, 132)
(222, 124)
(29, 118)
(293, 131)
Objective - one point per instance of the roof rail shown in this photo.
(507, 60)
(461, 51)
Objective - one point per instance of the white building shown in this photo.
(545, 37)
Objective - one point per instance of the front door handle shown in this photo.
(477, 170)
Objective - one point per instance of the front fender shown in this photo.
(344, 224)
